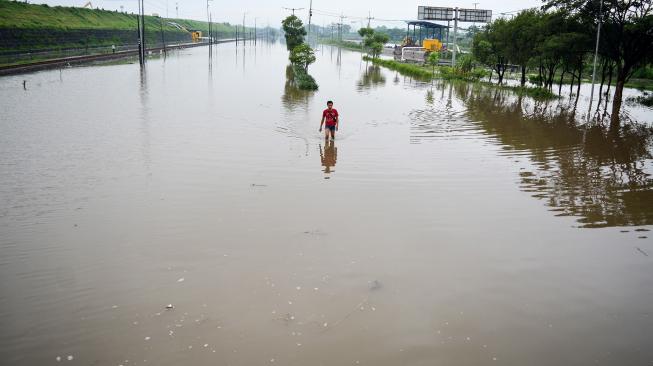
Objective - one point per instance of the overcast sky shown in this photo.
(272, 11)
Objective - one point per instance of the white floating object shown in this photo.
(206, 345)
(147, 338)
(70, 357)
(298, 288)
(326, 324)
(58, 358)
(181, 280)
(170, 307)
(272, 360)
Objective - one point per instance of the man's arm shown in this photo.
(321, 122)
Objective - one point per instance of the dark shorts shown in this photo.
(332, 128)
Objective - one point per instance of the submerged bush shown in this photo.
(303, 80)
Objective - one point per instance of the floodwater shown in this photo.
(447, 224)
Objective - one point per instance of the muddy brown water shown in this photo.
(459, 224)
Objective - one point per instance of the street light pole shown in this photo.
(596, 52)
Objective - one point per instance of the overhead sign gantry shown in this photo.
(456, 15)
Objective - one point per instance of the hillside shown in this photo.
(26, 27)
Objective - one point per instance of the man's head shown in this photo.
(329, 104)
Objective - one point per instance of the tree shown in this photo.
(374, 41)
(294, 31)
(490, 47)
(433, 60)
(524, 31)
(626, 36)
(302, 55)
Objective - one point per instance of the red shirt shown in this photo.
(330, 116)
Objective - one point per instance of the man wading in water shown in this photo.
(330, 116)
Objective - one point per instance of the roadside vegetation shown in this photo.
(301, 54)
(558, 43)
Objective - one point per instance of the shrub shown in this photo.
(303, 80)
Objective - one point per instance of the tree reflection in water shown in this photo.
(372, 76)
(294, 97)
(588, 171)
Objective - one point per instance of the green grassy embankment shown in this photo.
(28, 28)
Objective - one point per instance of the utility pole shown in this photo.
(163, 37)
(455, 35)
(474, 23)
(177, 9)
(208, 18)
(138, 28)
(596, 52)
(244, 31)
(342, 17)
(255, 31)
(310, 15)
(143, 46)
(369, 18)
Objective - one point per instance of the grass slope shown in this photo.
(29, 16)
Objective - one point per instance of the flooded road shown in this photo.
(452, 224)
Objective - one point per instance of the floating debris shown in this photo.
(375, 285)
(642, 251)
(58, 358)
(147, 338)
(169, 307)
(69, 358)
(181, 280)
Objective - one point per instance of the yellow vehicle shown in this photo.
(196, 35)
(432, 44)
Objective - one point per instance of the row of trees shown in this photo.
(559, 39)
(301, 54)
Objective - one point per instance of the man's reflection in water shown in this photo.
(329, 156)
